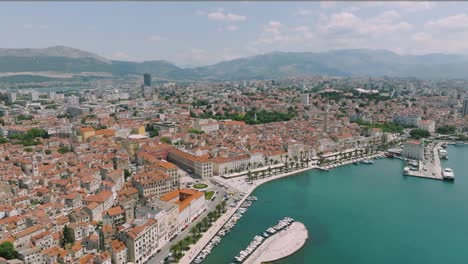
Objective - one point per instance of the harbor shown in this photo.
(258, 240)
(225, 229)
(430, 166)
(321, 200)
(280, 245)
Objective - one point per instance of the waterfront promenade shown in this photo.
(280, 245)
(241, 185)
(214, 229)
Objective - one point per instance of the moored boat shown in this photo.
(448, 174)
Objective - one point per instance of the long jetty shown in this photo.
(280, 245)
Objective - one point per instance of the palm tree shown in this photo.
(175, 248)
(199, 226)
(269, 171)
(193, 231)
(249, 175)
(205, 224)
(223, 205)
(219, 208)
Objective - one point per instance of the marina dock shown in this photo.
(429, 168)
(280, 245)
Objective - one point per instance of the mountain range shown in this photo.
(355, 62)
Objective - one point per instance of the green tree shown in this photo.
(68, 237)
(419, 133)
(166, 140)
(7, 250)
(127, 173)
(448, 129)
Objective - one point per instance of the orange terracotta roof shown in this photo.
(115, 211)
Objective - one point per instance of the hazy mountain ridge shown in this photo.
(354, 62)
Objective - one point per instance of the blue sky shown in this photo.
(188, 33)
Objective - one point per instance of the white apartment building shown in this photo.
(206, 125)
(410, 120)
(413, 149)
(191, 203)
(142, 241)
(428, 125)
(226, 165)
(305, 99)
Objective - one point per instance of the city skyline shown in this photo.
(193, 34)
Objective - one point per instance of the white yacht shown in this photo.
(443, 154)
(448, 174)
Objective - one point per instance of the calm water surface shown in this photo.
(364, 214)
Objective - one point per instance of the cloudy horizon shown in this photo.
(191, 34)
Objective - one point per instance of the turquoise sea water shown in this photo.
(364, 214)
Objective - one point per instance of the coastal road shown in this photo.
(210, 206)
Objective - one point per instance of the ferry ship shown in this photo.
(448, 174)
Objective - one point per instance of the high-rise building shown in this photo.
(305, 99)
(34, 96)
(465, 107)
(147, 79)
(11, 97)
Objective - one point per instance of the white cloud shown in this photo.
(226, 17)
(421, 37)
(302, 12)
(348, 24)
(408, 6)
(387, 16)
(156, 38)
(327, 4)
(414, 6)
(277, 33)
(340, 30)
(455, 22)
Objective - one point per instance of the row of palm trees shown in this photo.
(292, 164)
(197, 231)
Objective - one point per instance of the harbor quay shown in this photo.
(239, 183)
(280, 245)
(213, 230)
(429, 167)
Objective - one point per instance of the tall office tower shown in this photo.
(11, 97)
(305, 99)
(34, 96)
(147, 79)
(465, 107)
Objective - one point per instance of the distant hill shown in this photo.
(357, 62)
